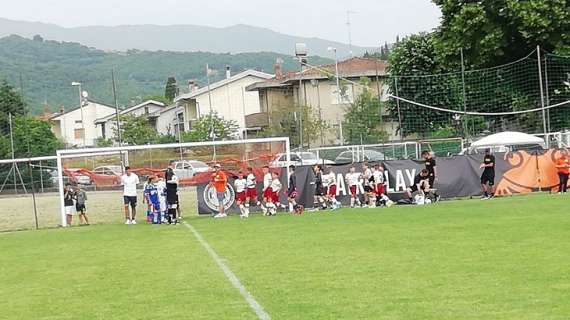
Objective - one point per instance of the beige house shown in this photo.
(228, 98)
(76, 127)
(316, 87)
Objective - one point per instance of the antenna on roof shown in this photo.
(349, 26)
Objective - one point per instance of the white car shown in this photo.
(189, 168)
(299, 159)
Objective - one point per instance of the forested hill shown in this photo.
(47, 69)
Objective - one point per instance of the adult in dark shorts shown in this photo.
(292, 193)
(130, 181)
(488, 176)
(319, 190)
(171, 194)
(421, 184)
(431, 167)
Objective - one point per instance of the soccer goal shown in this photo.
(99, 173)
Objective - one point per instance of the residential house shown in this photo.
(228, 98)
(76, 127)
(316, 87)
(106, 126)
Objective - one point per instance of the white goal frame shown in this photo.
(73, 153)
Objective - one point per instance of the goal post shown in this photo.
(153, 156)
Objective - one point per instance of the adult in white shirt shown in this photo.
(130, 181)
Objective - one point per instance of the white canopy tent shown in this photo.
(508, 138)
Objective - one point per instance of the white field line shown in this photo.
(257, 308)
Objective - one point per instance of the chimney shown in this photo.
(62, 109)
(228, 72)
(278, 69)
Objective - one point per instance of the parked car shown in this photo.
(189, 168)
(108, 175)
(76, 177)
(299, 159)
(366, 155)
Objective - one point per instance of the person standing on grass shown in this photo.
(68, 197)
(171, 194)
(563, 167)
(219, 182)
(488, 176)
(292, 193)
(81, 205)
(130, 181)
(432, 169)
(352, 180)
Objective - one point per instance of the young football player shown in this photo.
(367, 175)
(331, 190)
(352, 180)
(273, 200)
(380, 186)
(292, 193)
(81, 205)
(267, 179)
(240, 185)
(161, 188)
(251, 192)
(153, 199)
(147, 187)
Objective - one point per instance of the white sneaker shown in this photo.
(389, 203)
(220, 215)
(133, 222)
(127, 221)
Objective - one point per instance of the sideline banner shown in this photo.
(458, 176)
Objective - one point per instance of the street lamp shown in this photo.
(82, 95)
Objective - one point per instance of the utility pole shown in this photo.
(464, 95)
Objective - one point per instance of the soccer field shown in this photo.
(500, 259)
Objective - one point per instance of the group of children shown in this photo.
(373, 181)
(155, 194)
(246, 192)
(75, 201)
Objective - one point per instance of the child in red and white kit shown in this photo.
(352, 180)
(267, 179)
(379, 187)
(275, 188)
(331, 190)
(240, 185)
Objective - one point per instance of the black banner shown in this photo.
(457, 176)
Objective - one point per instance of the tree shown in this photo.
(285, 122)
(10, 103)
(136, 130)
(210, 127)
(32, 138)
(494, 32)
(410, 61)
(362, 122)
(171, 89)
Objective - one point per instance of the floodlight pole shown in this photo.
(544, 126)
(464, 94)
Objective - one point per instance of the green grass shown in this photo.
(501, 259)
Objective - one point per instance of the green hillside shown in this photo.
(47, 69)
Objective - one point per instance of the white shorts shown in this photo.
(70, 211)
(163, 205)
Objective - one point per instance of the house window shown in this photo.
(79, 133)
(78, 121)
(146, 110)
(103, 135)
(346, 95)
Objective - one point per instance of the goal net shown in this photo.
(531, 95)
(190, 162)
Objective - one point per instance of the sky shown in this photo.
(373, 21)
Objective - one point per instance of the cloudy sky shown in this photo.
(373, 22)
